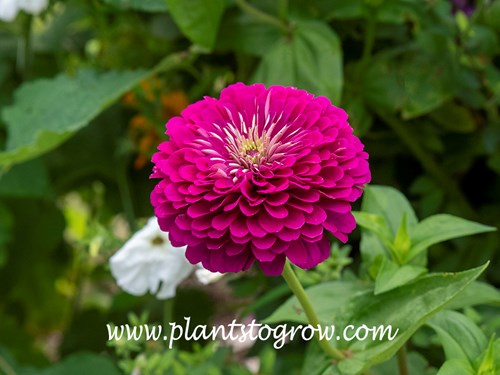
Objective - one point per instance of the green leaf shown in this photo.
(329, 300)
(389, 203)
(376, 224)
(310, 60)
(83, 364)
(417, 365)
(14, 183)
(488, 364)
(403, 84)
(453, 117)
(360, 117)
(442, 227)
(198, 19)
(405, 308)
(402, 241)
(143, 5)
(461, 338)
(46, 112)
(391, 275)
(246, 35)
(456, 367)
(425, 89)
(476, 293)
(5, 233)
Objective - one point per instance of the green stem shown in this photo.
(262, 16)
(168, 315)
(426, 160)
(6, 368)
(369, 39)
(24, 51)
(283, 10)
(403, 361)
(297, 289)
(126, 197)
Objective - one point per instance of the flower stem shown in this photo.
(297, 289)
(369, 39)
(168, 314)
(126, 197)
(24, 50)
(403, 361)
(262, 16)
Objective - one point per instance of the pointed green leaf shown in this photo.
(402, 241)
(456, 367)
(198, 19)
(476, 293)
(142, 5)
(389, 203)
(442, 227)
(46, 112)
(376, 224)
(488, 364)
(391, 275)
(405, 308)
(328, 299)
(311, 59)
(461, 338)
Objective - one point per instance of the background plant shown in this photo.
(87, 86)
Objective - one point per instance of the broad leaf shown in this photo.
(376, 224)
(456, 367)
(476, 293)
(442, 227)
(83, 364)
(14, 183)
(311, 60)
(392, 206)
(405, 308)
(461, 338)
(329, 300)
(391, 275)
(389, 203)
(143, 5)
(198, 19)
(46, 112)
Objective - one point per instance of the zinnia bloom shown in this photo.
(10, 8)
(258, 175)
(466, 6)
(149, 263)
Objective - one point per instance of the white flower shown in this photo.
(205, 276)
(149, 262)
(10, 8)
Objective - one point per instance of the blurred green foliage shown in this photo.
(86, 88)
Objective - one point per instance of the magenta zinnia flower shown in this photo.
(258, 175)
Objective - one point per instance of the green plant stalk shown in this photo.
(24, 52)
(126, 197)
(297, 289)
(262, 16)
(6, 368)
(283, 10)
(427, 162)
(403, 361)
(369, 40)
(168, 314)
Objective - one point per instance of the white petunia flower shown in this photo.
(205, 276)
(149, 263)
(10, 8)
